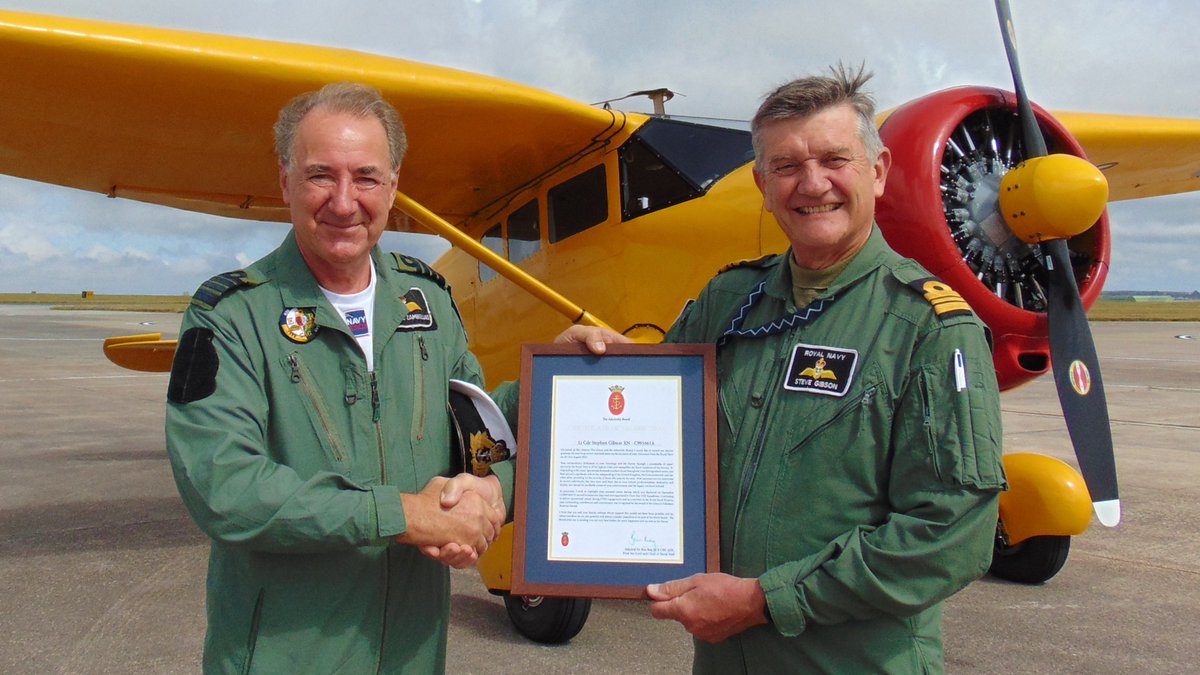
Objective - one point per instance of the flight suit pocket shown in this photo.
(834, 478)
(962, 427)
(252, 638)
(319, 412)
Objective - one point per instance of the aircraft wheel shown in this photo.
(547, 620)
(1033, 561)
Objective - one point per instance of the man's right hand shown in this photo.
(596, 338)
(459, 533)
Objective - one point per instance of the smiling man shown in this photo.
(858, 427)
(307, 422)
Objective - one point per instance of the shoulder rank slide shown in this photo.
(945, 300)
(756, 262)
(211, 291)
(407, 263)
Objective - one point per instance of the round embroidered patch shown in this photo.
(299, 324)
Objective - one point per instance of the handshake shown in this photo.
(454, 520)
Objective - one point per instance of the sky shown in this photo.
(1114, 56)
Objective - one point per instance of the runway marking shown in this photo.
(1049, 382)
(1135, 423)
(50, 339)
(83, 377)
(1146, 358)
(1140, 563)
(1151, 387)
(127, 615)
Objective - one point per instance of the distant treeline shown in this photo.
(1119, 308)
(1131, 295)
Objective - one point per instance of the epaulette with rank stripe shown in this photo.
(211, 291)
(946, 301)
(407, 263)
(757, 262)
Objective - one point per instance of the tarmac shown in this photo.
(101, 571)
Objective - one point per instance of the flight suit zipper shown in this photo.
(419, 359)
(301, 376)
(863, 399)
(750, 469)
(375, 416)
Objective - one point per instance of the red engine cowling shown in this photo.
(949, 151)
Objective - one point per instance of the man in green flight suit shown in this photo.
(859, 420)
(307, 422)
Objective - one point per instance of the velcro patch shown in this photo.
(194, 371)
(945, 300)
(821, 370)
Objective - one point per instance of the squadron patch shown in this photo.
(945, 300)
(419, 315)
(299, 324)
(821, 370)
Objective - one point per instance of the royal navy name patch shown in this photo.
(821, 370)
(420, 317)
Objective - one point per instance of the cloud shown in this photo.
(719, 56)
(22, 244)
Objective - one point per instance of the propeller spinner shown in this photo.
(1046, 200)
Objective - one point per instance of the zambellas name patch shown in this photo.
(419, 315)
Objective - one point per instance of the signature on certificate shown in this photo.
(642, 540)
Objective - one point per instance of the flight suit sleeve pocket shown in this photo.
(962, 425)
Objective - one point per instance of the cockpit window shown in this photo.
(669, 161)
(524, 233)
(577, 204)
(493, 240)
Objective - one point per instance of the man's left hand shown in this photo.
(711, 607)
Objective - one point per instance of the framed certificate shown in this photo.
(617, 475)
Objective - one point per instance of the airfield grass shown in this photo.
(120, 303)
(1118, 310)
(1104, 310)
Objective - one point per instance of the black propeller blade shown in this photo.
(1072, 350)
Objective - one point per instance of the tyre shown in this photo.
(1033, 561)
(547, 620)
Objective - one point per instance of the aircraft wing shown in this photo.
(1149, 156)
(184, 119)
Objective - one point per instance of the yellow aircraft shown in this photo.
(555, 206)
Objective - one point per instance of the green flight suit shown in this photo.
(859, 467)
(292, 457)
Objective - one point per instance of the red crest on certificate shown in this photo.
(616, 400)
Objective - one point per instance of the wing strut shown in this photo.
(574, 313)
